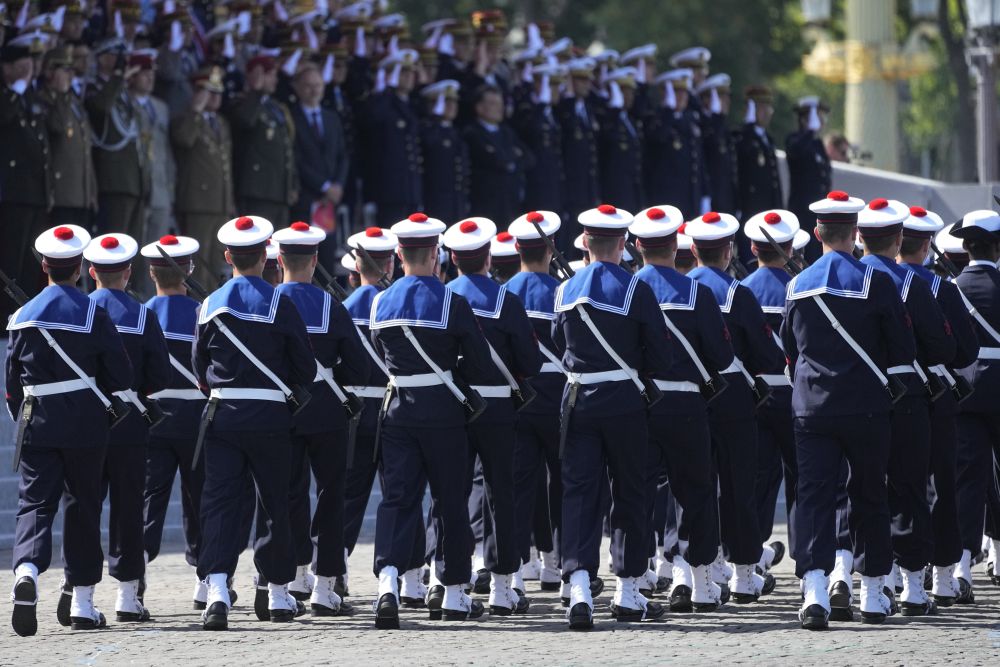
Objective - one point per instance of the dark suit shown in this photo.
(759, 186)
(446, 171)
(545, 183)
(579, 142)
(393, 178)
(675, 169)
(620, 150)
(720, 162)
(499, 161)
(809, 180)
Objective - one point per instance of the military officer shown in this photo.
(445, 156)
(580, 128)
(609, 333)
(267, 181)
(620, 142)
(178, 60)
(64, 423)
(756, 162)
(420, 328)
(203, 149)
(808, 165)
(336, 99)
(841, 409)
(538, 128)
(250, 349)
(680, 441)
(717, 141)
(695, 58)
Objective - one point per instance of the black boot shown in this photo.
(814, 617)
(216, 617)
(64, 604)
(387, 613)
(23, 618)
(435, 596)
(581, 617)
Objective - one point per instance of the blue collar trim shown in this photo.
(673, 290)
(245, 297)
(56, 307)
(416, 301)
(836, 274)
(604, 286)
(484, 295)
(312, 303)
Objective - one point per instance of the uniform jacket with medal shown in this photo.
(538, 128)
(393, 175)
(25, 177)
(74, 180)
(809, 174)
(446, 170)
(264, 155)
(154, 123)
(757, 169)
(579, 147)
(720, 162)
(620, 152)
(121, 160)
(203, 148)
(674, 166)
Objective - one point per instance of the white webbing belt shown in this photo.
(53, 388)
(444, 377)
(227, 332)
(129, 396)
(86, 379)
(776, 380)
(324, 374)
(419, 380)
(549, 367)
(367, 392)
(493, 391)
(900, 370)
(849, 339)
(602, 376)
(680, 385)
(179, 395)
(989, 353)
(554, 363)
(738, 367)
(630, 373)
(236, 394)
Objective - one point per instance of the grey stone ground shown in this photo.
(765, 633)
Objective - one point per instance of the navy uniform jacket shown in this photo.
(674, 167)
(499, 162)
(757, 169)
(980, 283)
(178, 318)
(270, 326)
(932, 334)
(392, 169)
(960, 322)
(769, 286)
(335, 345)
(809, 174)
(579, 149)
(625, 311)
(359, 306)
(692, 308)
(539, 131)
(446, 171)
(829, 379)
(504, 323)
(620, 151)
(147, 350)
(443, 323)
(537, 292)
(751, 337)
(84, 330)
(720, 162)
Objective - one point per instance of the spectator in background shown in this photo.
(757, 163)
(177, 62)
(808, 168)
(579, 146)
(445, 155)
(154, 128)
(838, 148)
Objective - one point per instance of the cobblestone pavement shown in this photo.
(763, 633)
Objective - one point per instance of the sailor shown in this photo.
(320, 431)
(537, 479)
(880, 225)
(731, 417)
(420, 329)
(504, 257)
(978, 421)
(171, 443)
(775, 440)
(110, 256)
(685, 261)
(252, 351)
(610, 335)
(841, 404)
(680, 441)
(502, 319)
(64, 358)
(918, 230)
(954, 251)
(272, 269)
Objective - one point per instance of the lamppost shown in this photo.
(981, 53)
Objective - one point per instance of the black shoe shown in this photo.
(840, 602)
(680, 599)
(581, 617)
(233, 597)
(654, 611)
(872, 617)
(87, 623)
(523, 603)
(769, 583)
(564, 601)
(928, 578)
(596, 587)
(965, 594)
(475, 612)
(779, 553)
(893, 607)
(132, 617)
(318, 610)
(549, 585)
(413, 603)
(814, 617)
(281, 615)
(944, 600)
(723, 593)
(928, 608)
(705, 607)
(435, 596)
(217, 617)
(387, 613)
(663, 584)
(141, 593)
(340, 587)
(23, 618)
(260, 604)
(745, 598)
(64, 605)
(198, 605)
(481, 586)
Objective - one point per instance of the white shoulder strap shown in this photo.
(371, 351)
(631, 372)
(688, 348)
(979, 317)
(228, 333)
(502, 367)
(87, 380)
(182, 369)
(551, 356)
(326, 375)
(850, 341)
(447, 381)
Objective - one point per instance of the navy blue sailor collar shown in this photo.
(603, 285)
(673, 290)
(359, 304)
(128, 314)
(901, 276)
(722, 284)
(416, 301)
(177, 314)
(835, 273)
(483, 293)
(56, 307)
(769, 285)
(312, 303)
(537, 292)
(245, 297)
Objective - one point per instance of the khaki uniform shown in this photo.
(73, 177)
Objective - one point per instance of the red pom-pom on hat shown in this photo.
(655, 214)
(772, 218)
(244, 223)
(918, 211)
(878, 204)
(504, 237)
(109, 242)
(300, 226)
(711, 216)
(373, 232)
(169, 239)
(838, 195)
(468, 227)
(535, 217)
(417, 217)
(63, 233)
(607, 209)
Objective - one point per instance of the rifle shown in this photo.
(331, 285)
(557, 257)
(632, 250)
(960, 387)
(736, 265)
(790, 264)
(945, 261)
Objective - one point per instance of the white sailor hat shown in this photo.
(922, 223)
(684, 243)
(949, 243)
(882, 217)
(271, 248)
(681, 76)
(62, 245)
(712, 230)
(111, 252)
(418, 231)
(605, 220)
(503, 248)
(180, 248)
(447, 87)
(378, 242)
(837, 207)
(528, 228)
(782, 225)
(580, 245)
(980, 225)
(801, 240)
(245, 234)
(657, 225)
(349, 263)
(697, 56)
(644, 52)
(471, 237)
(300, 238)
(402, 57)
(717, 81)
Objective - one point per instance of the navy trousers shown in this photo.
(734, 445)
(492, 446)
(775, 463)
(46, 475)
(164, 459)
(978, 444)
(908, 472)
(124, 486)
(321, 541)
(537, 483)
(599, 449)
(942, 492)
(230, 457)
(821, 444)
(358, 487)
